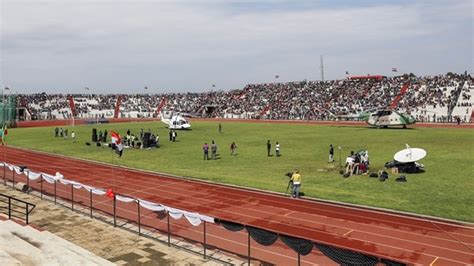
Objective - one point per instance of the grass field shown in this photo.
(446, 189)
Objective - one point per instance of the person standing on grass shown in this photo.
(105, 136)
(213, 150)
(56, 132)
(171, 135)
(119, 149)
(73, 136)
(269, 148)
(277, 149)
(331, 153)
(220, 128)
(296, 179)
(233, 148)
(174, 135)
(205, 149)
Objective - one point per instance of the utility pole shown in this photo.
(3, 103)
(322, 68)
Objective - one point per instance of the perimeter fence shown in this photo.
(207, 235)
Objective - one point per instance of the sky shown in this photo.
(110, 46)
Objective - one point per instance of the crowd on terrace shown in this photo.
(430, 98)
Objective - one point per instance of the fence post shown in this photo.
(55, 192)
(72, 196)
(90, 197)
(139, 224)
(13, 181)
(248, 251)
(204, 239)
(4, 173)
(41, 183)
(169, 232)
(299, 260)
(9, 208)
(115, 212)
(28, 182)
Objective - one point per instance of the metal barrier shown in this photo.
(207, 235)
(15, 208)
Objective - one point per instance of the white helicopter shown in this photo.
(176, 121)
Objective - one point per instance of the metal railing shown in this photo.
(15, 208)
(204, 237)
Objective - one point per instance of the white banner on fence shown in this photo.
(207, 218)
(33, 175)
(48, 178)
(174, 213)
(124, 199)
(18, 170)
(94, 190)
(151, 205)
(193, 218)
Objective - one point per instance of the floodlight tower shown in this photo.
(322, 68)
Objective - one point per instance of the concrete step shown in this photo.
(82, 255)
(20, 248)
(7, 260)
(50, 248)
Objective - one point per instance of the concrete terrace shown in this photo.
(117, 245)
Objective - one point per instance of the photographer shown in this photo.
(296, 179)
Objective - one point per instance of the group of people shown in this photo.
(151, 140)
(304, 100)
(63, 133)
(357, 163)
(213, 147)
(172, 135)
(269, 149)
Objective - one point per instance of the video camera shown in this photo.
(290, 182)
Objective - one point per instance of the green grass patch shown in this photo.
(446, 189)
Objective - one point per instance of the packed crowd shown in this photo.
(305, 100)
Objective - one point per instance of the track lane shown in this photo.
(266, 204)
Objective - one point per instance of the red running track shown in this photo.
(398, 237)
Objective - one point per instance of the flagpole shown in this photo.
(3, 130)
(3, 102)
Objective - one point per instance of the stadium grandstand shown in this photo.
(437, 98)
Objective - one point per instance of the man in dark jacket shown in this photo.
(269, 148)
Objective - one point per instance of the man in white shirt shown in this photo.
(350, 163)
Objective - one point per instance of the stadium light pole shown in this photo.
(3, 103)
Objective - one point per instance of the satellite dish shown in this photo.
(409, 155)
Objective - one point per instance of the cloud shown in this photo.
(186, 46)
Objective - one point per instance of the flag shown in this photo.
(116, 139)
(347, 72)
(394, 69)
(110, 193)
(7, 89)
(146, 88)
(213, 85)
(86, 88)
(276, 76)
